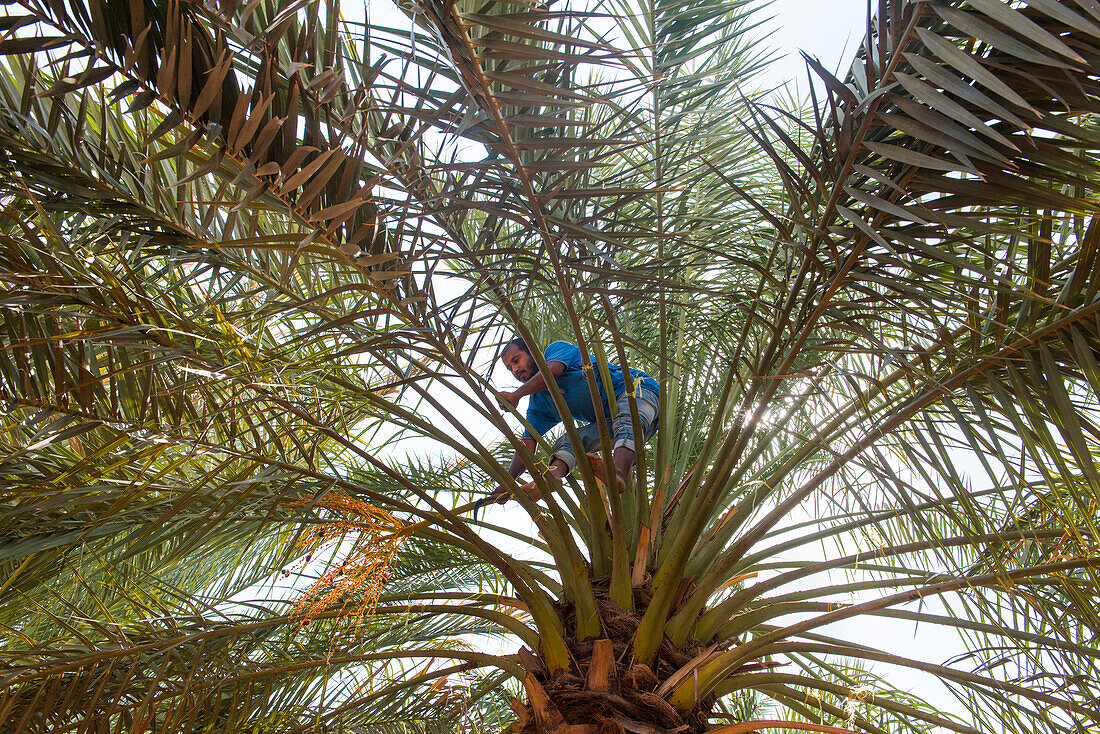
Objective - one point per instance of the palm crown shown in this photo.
(250, 249)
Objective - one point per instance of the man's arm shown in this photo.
(501, 494)
(516, 468)
(535, 385)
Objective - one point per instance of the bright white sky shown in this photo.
(827, 29)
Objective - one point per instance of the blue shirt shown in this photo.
(543, 415)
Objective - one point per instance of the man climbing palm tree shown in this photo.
(567, 367)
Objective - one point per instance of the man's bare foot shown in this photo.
(599, 469)
(532, 491)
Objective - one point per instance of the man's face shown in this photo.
(520, 364)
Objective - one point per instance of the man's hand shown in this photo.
(501, 495)
(509, 398)
(498, 497)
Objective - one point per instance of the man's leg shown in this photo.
(623, 459)
(623, 429)
(564, 459)
(558, 468)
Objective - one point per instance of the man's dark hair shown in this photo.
(516, 343)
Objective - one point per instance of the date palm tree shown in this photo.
(258, 259)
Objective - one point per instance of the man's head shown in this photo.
(517, 358)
